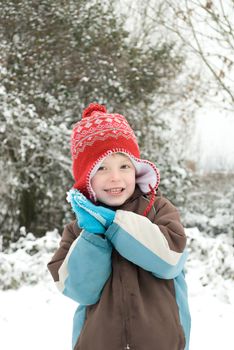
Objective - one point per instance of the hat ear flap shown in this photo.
(147, 175)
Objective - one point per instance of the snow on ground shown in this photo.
(39, 317)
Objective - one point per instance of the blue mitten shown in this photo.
(85, 220)
(102, 215)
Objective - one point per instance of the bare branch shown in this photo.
(201, 53)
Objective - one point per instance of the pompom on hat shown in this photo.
(100, 134)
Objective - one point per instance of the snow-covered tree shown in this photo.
(33, 166)
(56, 57)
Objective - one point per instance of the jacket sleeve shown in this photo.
(81, 265)
(158, 246)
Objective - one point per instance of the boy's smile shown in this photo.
(115, 191)
(114, 182)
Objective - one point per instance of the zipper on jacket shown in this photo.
(127, 346)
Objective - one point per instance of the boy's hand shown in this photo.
(89, 215)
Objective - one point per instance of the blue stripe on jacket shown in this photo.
(87, 268)
(182, 302)
(140, 255)
(78, 322)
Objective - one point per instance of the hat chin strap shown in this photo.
(151, 202)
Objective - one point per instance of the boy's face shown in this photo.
(114, 181)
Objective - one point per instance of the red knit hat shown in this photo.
(98, 135)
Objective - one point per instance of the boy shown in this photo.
(122, 260)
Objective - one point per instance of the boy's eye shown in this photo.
(101, 168)
(125, 166)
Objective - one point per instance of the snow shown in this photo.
(36, 316)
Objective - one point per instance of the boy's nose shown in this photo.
(115, 175)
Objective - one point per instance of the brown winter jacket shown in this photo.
(129, 283)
